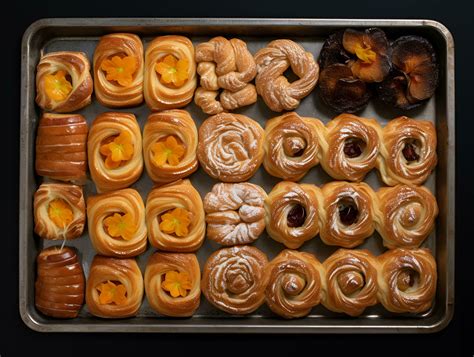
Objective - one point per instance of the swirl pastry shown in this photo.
(59, 287)
(114, 287)
(272, 62)
(61, 147)
(291, 213)
(234, 279)
(228, 65)
(295, 283)
(351, 281)
(118, 70)
(59, 211)
(175, 217)
(407, 280)
(170, 73)
(63, 82)
(408, 151)
(169, 145)
(291, 146)
(116, 223)
(235, 213)
(173, 283)
(115, 151)
(407, 215)
(230, 147)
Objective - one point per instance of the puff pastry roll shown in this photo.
(291, 213)
(169, 145)
(59, 287)
(118, 70)
(230, 147)
(116, 223)
(59, 211)
(295, 283)
(235, 213)
(115, 151)
(173, 283)
(170, 73)
(175, 217)
(63, 81)
(234, 279)
(114, 287)
(61, 147)
(407, 280)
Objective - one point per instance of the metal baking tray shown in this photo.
(82, 35)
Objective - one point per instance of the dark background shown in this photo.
(458, 338)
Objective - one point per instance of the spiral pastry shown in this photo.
(107, 129)
(179, 125)
(234, 279)
(291, 213)
(185, 273)
(63, 82)
(291, 146)
(407, 215)
(408, 151)
(158, 93)
(407, 280)
(295, 284)
(181, 200)
(126, 277)
(116, 223)
(272, 62)
(230, 147)
(126, 50)
(351, 281)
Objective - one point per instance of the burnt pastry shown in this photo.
(63, 81)
(118, 70)
(59, 286)
(59, 211)
(235, 213)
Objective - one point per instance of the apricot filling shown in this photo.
(168, 151)
(120, 226)
(120, 69)
(176, 222)
(112, 293)
(60, 212)
(407, 279)
(172, 70)
(117, 151)
(177, 284)
(57, 86)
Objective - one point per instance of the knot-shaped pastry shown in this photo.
(230, 147)
(234, 279)
(272, 62)
(235, 213)
(228, 65)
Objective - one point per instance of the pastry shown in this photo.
(114, 149)
(351, 281)
(175, 217)
(63, 82)
(61, 147)
(114, 287)
(272, 62)
(295, 283)
(118, 70)
(173, 283)
(59, 211)
(227, 65)
(234, 279)
(59, 287)
(230, 147)
(169, 145)
(407, 280)
(116, 223)
(291, 213)
(291, 146)
(170, 73)
(235, 213)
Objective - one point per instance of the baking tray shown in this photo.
(82, 34)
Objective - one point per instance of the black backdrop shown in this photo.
(16, 339)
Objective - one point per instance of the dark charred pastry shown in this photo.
(333, 52)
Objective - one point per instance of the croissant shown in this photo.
(118, 70)
(173, 283)
(63, 81)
